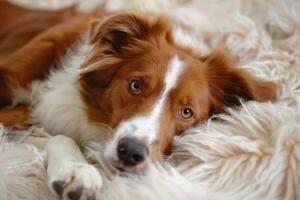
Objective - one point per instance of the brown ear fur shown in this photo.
(116, 38)
(5, 94)
(228, 84)
(126, 30)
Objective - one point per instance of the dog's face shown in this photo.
(149, 89)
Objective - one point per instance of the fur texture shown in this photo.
(251, 153)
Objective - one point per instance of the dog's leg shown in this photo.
(69, 174)
(18, 25)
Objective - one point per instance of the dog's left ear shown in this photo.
(228, 84)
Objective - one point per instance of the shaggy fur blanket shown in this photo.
(253, 152)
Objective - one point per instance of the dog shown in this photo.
(120, 79)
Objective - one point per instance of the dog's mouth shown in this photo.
(117, 165)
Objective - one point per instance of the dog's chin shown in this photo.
(121, 168)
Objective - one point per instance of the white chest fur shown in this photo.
(56, 103)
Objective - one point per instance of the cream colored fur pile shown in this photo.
(252, 153)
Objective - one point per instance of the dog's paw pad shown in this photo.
(77, 181)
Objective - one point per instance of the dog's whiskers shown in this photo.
(107, 129)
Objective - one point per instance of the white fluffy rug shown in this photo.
(252, 153)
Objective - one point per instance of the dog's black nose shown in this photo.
(131, 152)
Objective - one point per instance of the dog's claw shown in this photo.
(75, 194)
(58, 186)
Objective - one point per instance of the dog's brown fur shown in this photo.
(32, 41)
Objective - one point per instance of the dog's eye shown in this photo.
(186, 113)
(135, 86)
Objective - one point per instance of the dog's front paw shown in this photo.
(74, 181)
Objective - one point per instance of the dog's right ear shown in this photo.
(124, 32)
(115, 33)
(116, 39)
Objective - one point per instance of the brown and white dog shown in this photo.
(118, 79)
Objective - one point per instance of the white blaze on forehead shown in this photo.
(146, 127)
(175, 69)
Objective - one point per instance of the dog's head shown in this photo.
(138, 81)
